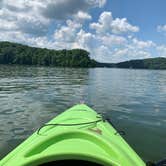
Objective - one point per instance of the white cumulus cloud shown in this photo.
(142, 44)
(35, 17)
(67, 33)
(106, 24)
(68, 24)
(111, 40)
(122, 26)
(161, 50)
(82, 16)
(64, 8)
(161, 28)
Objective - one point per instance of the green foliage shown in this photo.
(13, 53)
(155, 63)
(151, 63)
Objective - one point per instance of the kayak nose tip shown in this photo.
(82, 102)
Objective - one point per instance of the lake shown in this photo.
(135, 100)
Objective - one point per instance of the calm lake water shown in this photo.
(134, 99)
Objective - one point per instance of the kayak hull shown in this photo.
(79, 133)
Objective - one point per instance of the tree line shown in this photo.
(150, 63)
(13, 53)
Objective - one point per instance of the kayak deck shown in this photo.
(77, 134)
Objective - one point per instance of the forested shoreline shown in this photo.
(14, 53)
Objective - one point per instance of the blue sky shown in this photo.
(147, 14)
(111, 30)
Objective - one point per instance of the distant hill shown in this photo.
(150, 63)
(13, 53)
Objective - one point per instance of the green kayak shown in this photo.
(79, 136)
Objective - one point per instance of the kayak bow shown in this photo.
(77, 135)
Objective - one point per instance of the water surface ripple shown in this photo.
(134, 99)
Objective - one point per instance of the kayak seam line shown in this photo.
(63, 124)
